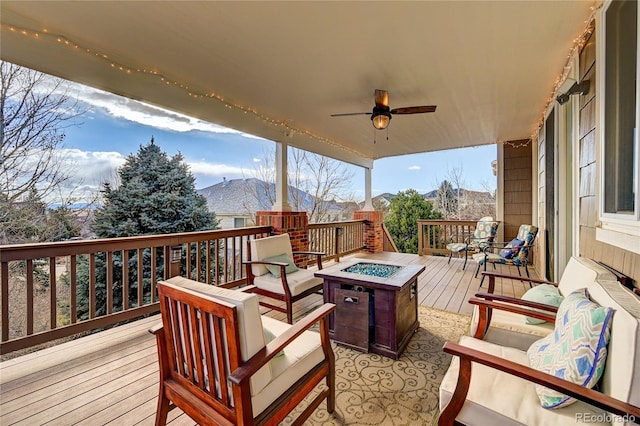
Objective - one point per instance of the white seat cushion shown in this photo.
(298, 281)
(299, 357)
(499, 398)
(510, 329)
(249, 319)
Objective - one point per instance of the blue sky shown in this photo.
(113, 127)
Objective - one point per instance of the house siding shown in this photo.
(622, 260)
(227, 221)
(517, 189)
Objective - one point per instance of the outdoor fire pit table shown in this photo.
(376, 304)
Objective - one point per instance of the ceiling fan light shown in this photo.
(381, 120)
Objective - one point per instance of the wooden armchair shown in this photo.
(216, 366)
(272, 272)
(494, 365)
(500, 319)
(493, 383)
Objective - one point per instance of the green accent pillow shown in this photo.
(268, 337)
(544, 293)
(576, 350)
(275, 270)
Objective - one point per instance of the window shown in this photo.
(620, 116)
(239, 222)
(619, 120)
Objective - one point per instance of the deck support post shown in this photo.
(282, 180)
(373, 233)
(368, 201)
(296, 224)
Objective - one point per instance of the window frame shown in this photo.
(244, 222)
(618, 229)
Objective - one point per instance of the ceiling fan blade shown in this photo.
(350, 113)
(414, 109)
(382, 98)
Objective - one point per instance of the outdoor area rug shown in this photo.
(376, 390)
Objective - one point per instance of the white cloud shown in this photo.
(88, 165)
(92, 168)
(250, 136)
(414, 167)
(138, 112)
(87, 171)
(256, 160)
(203, 168)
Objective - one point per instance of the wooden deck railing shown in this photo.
(336, 239)
(434, 235)
(106, 280)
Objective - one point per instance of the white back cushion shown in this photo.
(268, 247)
(580, 273)
(249, 319)
(621, 378)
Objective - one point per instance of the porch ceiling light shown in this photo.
(380, 117)
(581, 88)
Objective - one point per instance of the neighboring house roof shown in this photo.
(236, 196)
(246, 196)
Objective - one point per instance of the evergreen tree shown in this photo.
(402, 220)
(63, 224)
(31, 221)
(156, 196)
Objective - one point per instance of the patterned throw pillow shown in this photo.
(544, 293)
(275, 270)
(511, 249)
(576, 350)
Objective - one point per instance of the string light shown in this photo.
(578, 43)
(212, 95)
(520, 143)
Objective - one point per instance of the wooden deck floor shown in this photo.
(111, 377)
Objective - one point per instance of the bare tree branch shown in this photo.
(35, 110)
(455, 175)
(316, 183)
(456, 202)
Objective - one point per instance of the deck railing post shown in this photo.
(174, 260)
(338, 231)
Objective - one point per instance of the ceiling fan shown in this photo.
(381, 114)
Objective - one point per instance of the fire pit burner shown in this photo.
(373, 269)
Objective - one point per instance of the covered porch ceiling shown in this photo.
(279, 69)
